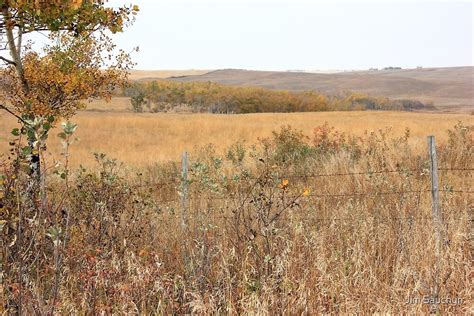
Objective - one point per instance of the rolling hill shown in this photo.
(145, 75)
(451, 89)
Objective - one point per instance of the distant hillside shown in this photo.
(148, 75)
(169, 96)
(451, 89)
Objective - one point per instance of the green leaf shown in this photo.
(26, 150)
(69, 127)
(15, 132)
(31, 134)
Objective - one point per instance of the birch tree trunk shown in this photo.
(16, 61)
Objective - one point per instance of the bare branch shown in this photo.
(8, 61)
(12, 113)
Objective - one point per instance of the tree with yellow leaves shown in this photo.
(79, 63)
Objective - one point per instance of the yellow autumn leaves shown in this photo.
(76, 4)
(42, 5)
(61, 80)
(285, 183)
(69, 15)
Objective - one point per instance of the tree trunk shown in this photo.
(15, 51)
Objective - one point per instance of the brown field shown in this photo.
(451, 89)
(144, 139)
(262, 234)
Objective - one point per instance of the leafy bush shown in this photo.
(137, 102)
(218, 98)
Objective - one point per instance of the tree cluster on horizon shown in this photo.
(167, 95)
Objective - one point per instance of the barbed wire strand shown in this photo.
(177, 181)
(341, 195)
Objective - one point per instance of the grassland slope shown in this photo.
(451, 89)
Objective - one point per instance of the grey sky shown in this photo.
(280, 35)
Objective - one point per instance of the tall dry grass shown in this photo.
(144, 139)
(264, 230)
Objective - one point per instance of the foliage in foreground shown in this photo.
(162, 96)
(261, 232)
(77, 62)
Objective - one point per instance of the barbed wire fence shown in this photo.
(182, 196)
(181, 186)
(178, 181)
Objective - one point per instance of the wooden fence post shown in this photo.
(184, 189)
(436, 214)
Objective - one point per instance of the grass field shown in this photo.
(143, 139)
(294, 225)
(154, 204)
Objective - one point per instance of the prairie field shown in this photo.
(249, 185)
(144, 139)
(312, 218)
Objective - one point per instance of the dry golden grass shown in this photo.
(249, 240)
(143, 139)
(118, 104)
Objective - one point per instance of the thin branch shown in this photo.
(12, 113)
(8, 61)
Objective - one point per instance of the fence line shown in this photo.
(185, 195)
(371, 172)
(456, 169)
(349, 219)
(341, 219)
(176, 182)
(292, 198)
(231, 197)
(312, 175)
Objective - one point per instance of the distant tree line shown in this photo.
(166, 96)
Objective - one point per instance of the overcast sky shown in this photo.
(318, 34)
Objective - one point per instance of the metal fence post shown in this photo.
(436, 214)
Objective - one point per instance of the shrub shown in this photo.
(137, 102)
